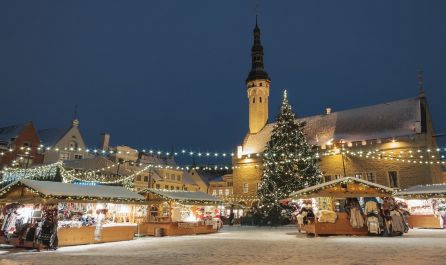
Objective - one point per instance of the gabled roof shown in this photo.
(424, 191)
(9, 132)
(382, 121)
(50, 137)
(184, 197)
(72, 192)
(340, 187)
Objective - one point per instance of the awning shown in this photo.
(423, 191)
(183, 197)
(344, 188)
(29, 190)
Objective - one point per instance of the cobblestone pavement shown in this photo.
(249, 245)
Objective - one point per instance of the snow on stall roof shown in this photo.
(50, 188)
(423, 190)
(381, 121)
(183, 195)
(341, 180)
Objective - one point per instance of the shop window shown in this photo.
(214, 192)
(393, 179)
(259, 185)
(358, 175)
(185, 188)
(245, 187)
(178, 188)
(172, 187)
(220, 192)
(371, 177)
(166, 187)
(146, 178)
(327, 178)
(227, 192)
(138, 178)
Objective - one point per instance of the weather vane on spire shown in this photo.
(420, 78)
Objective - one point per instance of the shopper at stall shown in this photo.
(99, 223)
(353, 209)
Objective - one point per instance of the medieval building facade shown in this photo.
(392, 144)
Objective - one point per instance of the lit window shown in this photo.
(226, 192)
(214, 192)
(358, 175)
(245, 187)
(220, 192)
(64, 156)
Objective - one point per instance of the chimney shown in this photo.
(105, 141)
(327, 111)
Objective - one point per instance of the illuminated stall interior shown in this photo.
(426, 204)
(327, 202)
(180, 212)
(79, 214)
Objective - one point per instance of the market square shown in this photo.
(237, 133)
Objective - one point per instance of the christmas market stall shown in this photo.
(426, 205)
(173, 212)
(51, 214)
(346, 206)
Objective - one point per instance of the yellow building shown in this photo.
(163, 172)
(392, 144)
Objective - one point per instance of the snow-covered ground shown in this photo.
(250, 245)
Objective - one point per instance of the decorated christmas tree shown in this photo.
(289, 164)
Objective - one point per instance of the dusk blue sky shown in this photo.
(171, 73)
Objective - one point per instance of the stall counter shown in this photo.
(177, 228)
(340, 227)
(72, 236)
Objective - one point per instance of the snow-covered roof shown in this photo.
(50, 137)
(329, 184)
(77, 192)
(183, 196)
(98, 162)
(431, 190)
(9, 132)
(382, 121)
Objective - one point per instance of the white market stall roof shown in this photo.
(344, 187)
(68, 191)
(184, 197)
(424, 191)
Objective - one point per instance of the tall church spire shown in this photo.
(257, 68)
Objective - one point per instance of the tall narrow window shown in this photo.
(253, 100)
(260, 99)
(393, 179)
(245, 187)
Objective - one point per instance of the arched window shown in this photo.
(253, 100)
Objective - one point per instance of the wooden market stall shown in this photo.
(67, 214)
(173, 212)
(332, 192)
(426, 204)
